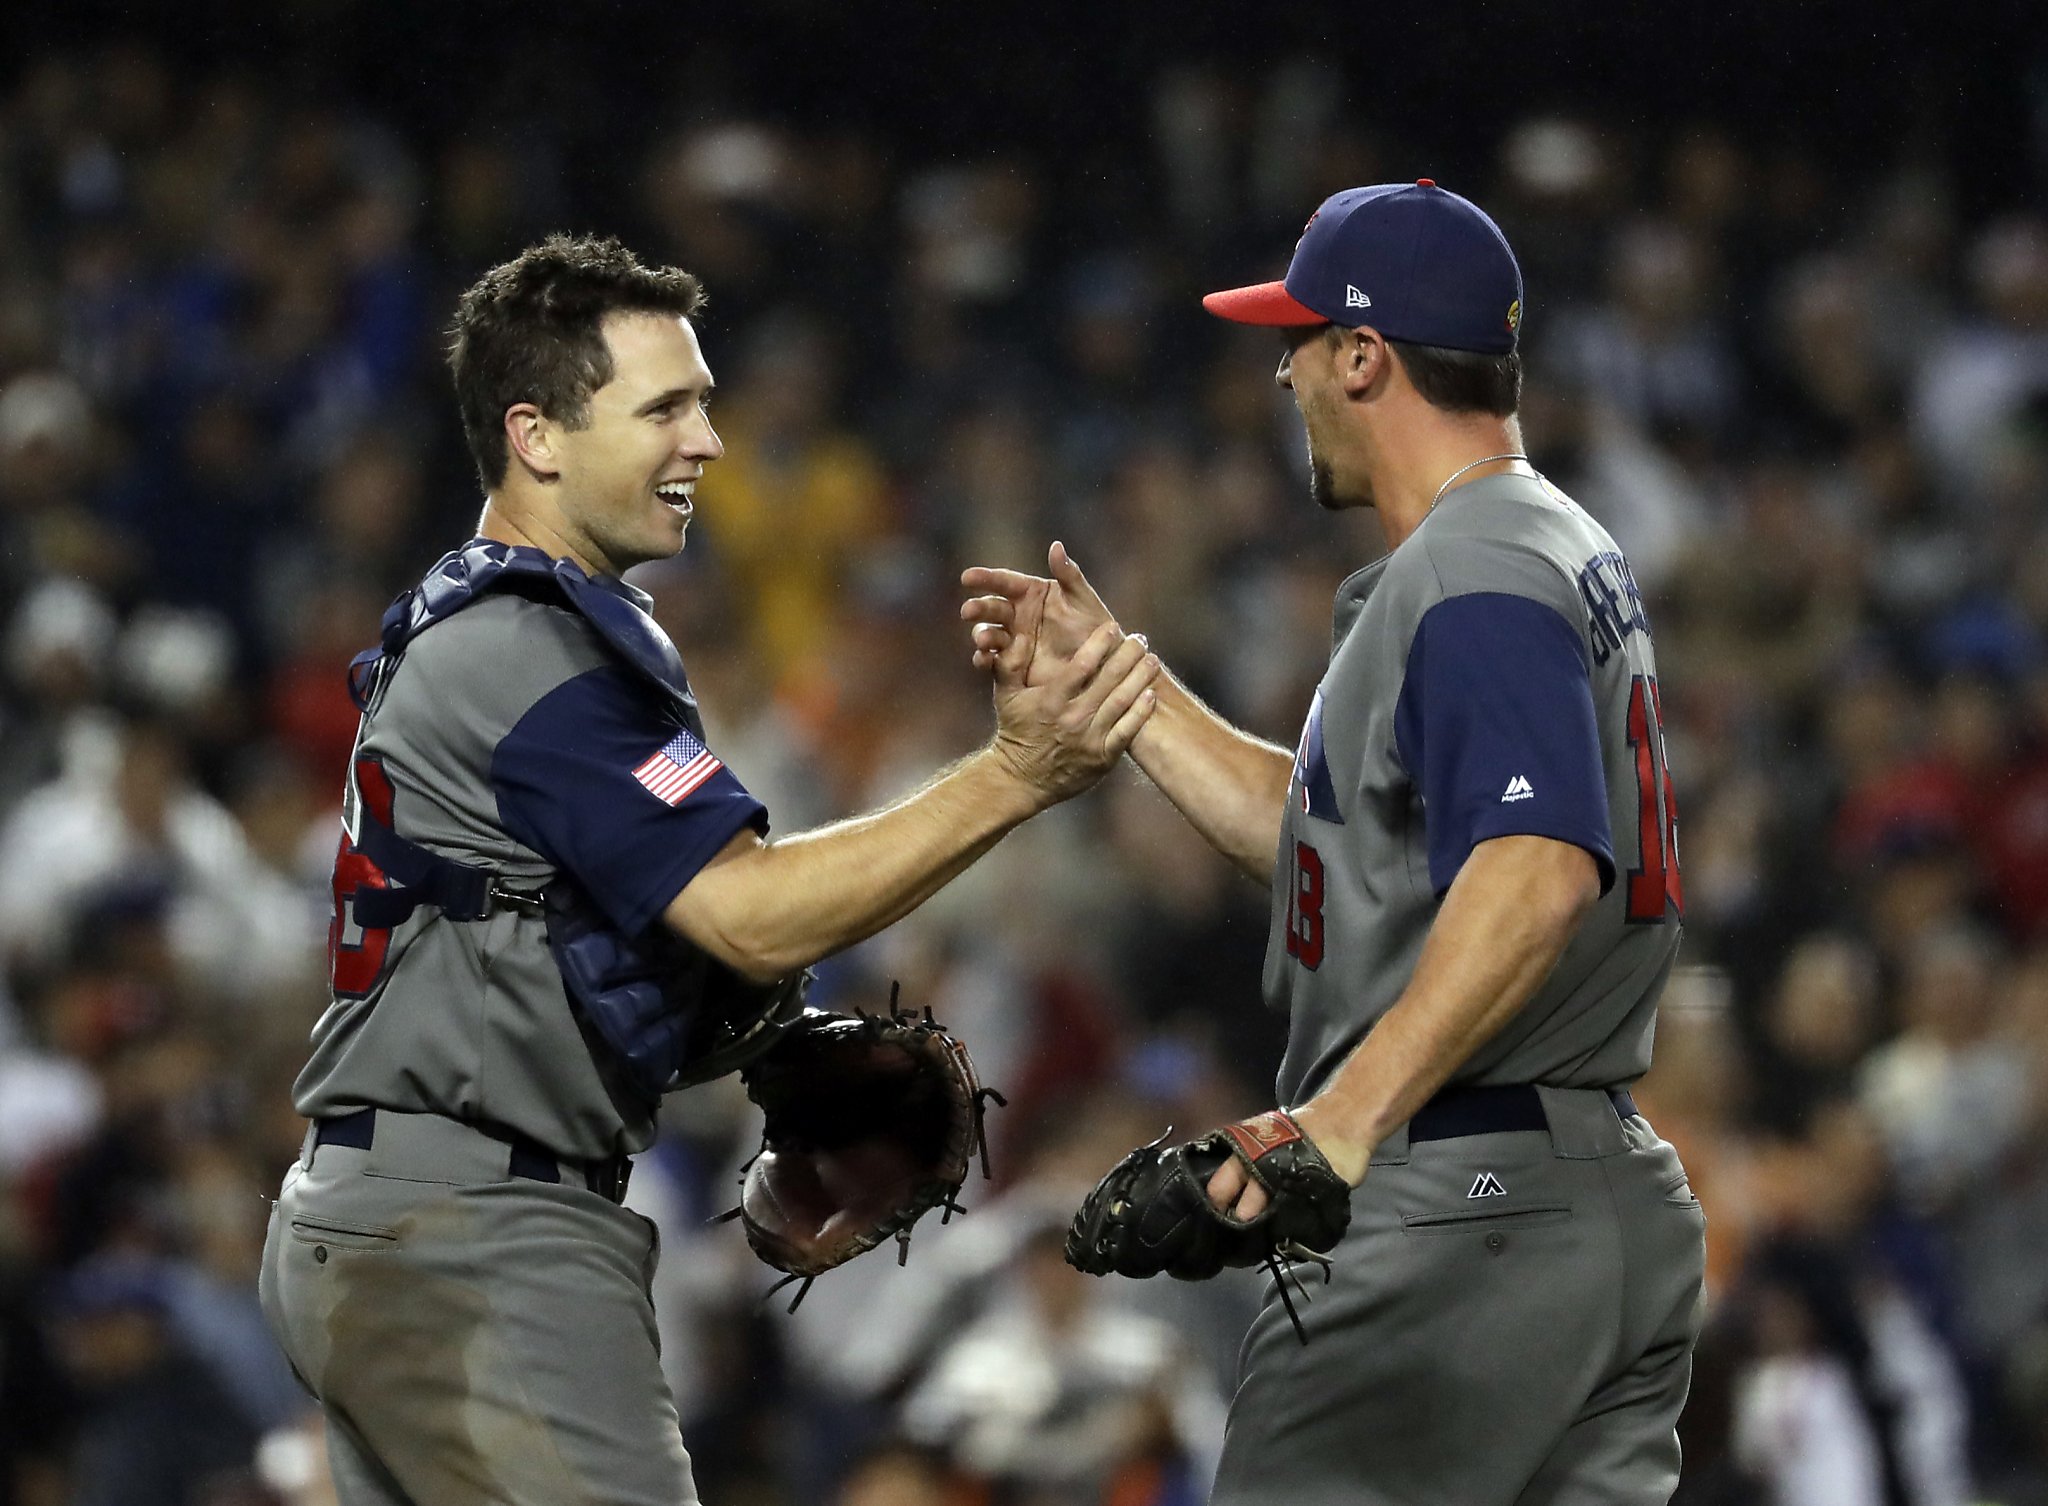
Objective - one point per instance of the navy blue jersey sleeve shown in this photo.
(1495, 724)
(610, 787)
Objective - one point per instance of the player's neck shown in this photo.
(1425, 462)
(507, 521)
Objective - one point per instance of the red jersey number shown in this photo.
(1656, 883)
(355, 953)
(1305, 908)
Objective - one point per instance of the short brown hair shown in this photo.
(1464, 381)
(530, 331)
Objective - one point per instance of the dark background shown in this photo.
(1789, 340)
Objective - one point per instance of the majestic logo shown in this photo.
(1514, 316)
(1353, 299)
(1518, 788)
(1486, 1184)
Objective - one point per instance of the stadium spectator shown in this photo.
(1804, 380)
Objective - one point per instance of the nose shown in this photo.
(700, 440)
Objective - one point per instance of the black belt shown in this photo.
(606, 1178)
(1459, 1111)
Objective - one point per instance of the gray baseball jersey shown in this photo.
(1492, 676)
(510, 737)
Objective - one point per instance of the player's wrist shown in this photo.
(1011, 784)
(1334, 1133)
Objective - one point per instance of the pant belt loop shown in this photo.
(1583, 1123)
(1392, 1151)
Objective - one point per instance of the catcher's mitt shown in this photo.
(1152, 1212)
(871, 1121)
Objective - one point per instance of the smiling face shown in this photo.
(622, 483)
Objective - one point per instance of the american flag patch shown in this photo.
(676, 770)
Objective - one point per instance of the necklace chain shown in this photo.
(1454, 475)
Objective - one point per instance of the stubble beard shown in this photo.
(1321, 489)
(1322, 481)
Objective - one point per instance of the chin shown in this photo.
(653, 555)
(1322, 487)
(663, 543)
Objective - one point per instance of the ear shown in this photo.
(1363, 362)
(532, 440)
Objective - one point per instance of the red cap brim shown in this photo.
(1266, 303)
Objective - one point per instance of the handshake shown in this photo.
(1072, 689)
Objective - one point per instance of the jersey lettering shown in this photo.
(356, 953)
(1614, 604)
(1656, 883)
(1305, 908)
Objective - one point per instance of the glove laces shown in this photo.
(1281, 1263)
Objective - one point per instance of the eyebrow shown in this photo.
(674, 395)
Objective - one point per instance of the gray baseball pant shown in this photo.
(472, 1336)
(1509, 1322)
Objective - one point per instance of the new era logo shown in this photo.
(1486, 1184)
(1353, 299)
(1518, 788)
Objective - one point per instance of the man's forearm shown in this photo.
(769, 908)
(1504, 923)
(1231, 786)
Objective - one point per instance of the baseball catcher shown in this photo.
(554, 904)
(871, 1121)
(1152, 1213)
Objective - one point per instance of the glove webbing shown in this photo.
(982, 1097)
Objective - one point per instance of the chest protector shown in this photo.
(667, 1012)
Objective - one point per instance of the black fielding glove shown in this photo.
(1152, 1212)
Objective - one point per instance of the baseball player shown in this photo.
(553, 903)
(1476, 899)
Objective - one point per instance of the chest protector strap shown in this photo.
(670, 1014)
(418, 877)
(615, 610)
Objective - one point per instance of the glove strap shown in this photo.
(1264, 1133)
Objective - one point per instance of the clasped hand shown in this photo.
(1071, 689)
(1053, 616)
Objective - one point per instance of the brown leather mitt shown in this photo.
(871, 1121)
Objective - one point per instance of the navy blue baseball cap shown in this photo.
(1414, 261)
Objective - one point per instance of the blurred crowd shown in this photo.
(1812, 408)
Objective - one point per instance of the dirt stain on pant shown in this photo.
(416, 1367)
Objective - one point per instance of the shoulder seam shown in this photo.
(522, 612)
(1445, 594)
